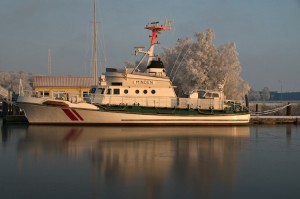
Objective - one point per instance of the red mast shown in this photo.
(155, 28)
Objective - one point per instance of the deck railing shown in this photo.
(160, 102)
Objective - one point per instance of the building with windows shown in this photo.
(287, 96)
(62, 87)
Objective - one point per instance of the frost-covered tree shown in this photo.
(201, 65)
(11, 80)
(254, 95)
(265, 94)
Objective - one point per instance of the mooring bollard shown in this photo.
(289, 110)
(256, 108)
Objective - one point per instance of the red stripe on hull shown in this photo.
(70, 115)
(77, 114)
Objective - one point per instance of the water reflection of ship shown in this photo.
(195, 158)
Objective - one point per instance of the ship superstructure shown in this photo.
(152, 88)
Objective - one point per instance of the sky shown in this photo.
(266, 33)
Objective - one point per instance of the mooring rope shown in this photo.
(269, 111)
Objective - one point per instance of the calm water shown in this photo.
(144, 162)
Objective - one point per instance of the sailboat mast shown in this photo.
(95, 65)
(49, 62)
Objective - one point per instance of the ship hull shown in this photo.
(45, 114)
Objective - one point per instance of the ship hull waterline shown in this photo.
(43, 114)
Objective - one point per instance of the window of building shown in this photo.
(116, 91)
(126, 91)
(58, 94)
(137, 91)
(153, 91)
(46, 93)
(145, 91)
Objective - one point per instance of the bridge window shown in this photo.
(116, 84)
(101, 91)
(215, 95)
(108, 91)
(93, 90)
(116, 91)
(201, 94)
(208, 95)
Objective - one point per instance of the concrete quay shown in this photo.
(275, 120)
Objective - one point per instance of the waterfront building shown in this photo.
(61, 87)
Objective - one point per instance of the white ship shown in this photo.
(129, 97)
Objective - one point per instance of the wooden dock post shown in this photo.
(4, 109)
(12, 113)
(256, 108)
(247, 101)
(289, 110)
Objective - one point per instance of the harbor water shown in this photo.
(255, 161)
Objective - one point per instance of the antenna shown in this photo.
(49, 61)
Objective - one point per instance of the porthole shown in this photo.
(137, 91)
(145, 91)
(153, 91)
(126, 91)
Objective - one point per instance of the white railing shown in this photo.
(71, 97)
(198, 103)
(160, 102)
(141, 101)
